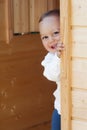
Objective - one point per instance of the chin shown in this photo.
(52, 51)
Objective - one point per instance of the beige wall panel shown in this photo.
(79, 50)
(79, 34)
(79, 73)
(53, 4)
(21, 16)
(79, 15)
(79, 42)
(79, 103)
(79, 125)
(37, 8)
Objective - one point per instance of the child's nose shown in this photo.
(51, 39)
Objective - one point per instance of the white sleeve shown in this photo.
(52, 68)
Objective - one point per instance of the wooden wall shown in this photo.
(74, 64)
(79, 64)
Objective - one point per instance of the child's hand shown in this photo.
(60, 48)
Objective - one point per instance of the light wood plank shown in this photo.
(79, 98)
(79, 50)
(79, 15)
(79, 34)
(79, 42)
(66, 65)
(79, 113)
(79, 125)
(79, 104)
(79, 73)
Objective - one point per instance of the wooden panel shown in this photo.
(79, 73)
(10, 20)
(37, 8)
(6, 23)
(79, 64)
(79, 125)
(79, 50)
(79, 103)
(79, 40)
(3, 20)
(79, 15)
(79, 34)
(21, 16)
(66, 65)
(53, 4)
(23, 93)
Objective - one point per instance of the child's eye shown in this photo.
(56, 33)
(45, 37)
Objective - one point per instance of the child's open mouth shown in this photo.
(54, 46)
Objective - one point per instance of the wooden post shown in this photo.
(9, 20)
(65, 66)
(6, 30)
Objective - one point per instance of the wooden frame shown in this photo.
(6, 28)
(65, 66)
(8, 16)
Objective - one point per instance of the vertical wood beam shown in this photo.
(65, 65)
(6, 32)
(9, 20)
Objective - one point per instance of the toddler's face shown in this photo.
(50, 33)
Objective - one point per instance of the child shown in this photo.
(49, 26)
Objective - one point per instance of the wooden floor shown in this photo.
(43, 126)
(26, 97)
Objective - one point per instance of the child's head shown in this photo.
(49, 26)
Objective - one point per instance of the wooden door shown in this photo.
(66, 65)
